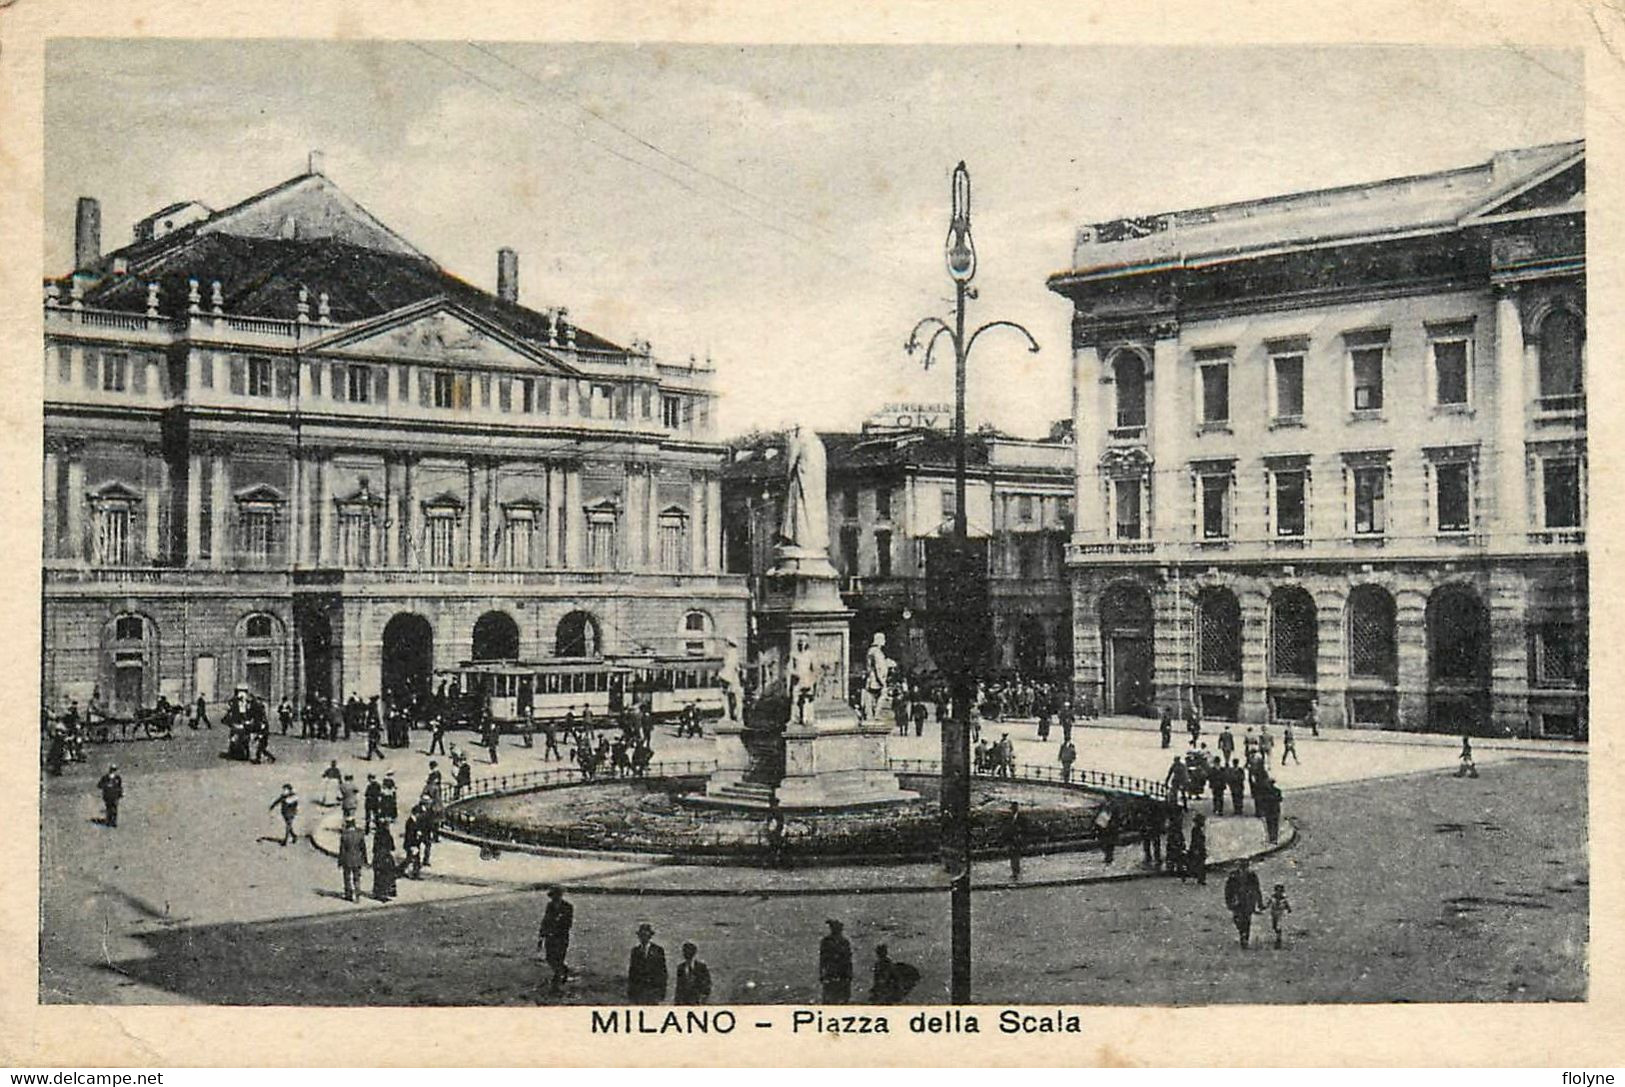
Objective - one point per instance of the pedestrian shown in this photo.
(373, 796)
(383, 863)
(352, 857)
(646, 971)
(1468, 768)
(288, 802)
(430, 822)
(112, 787)
(835, 965)
(773, 831)
(1278, 905)
(200, 714)
(1266, 743)
(1193, 720)
(1311, 719)
(693, 978)
(465, 777)
(1175, 859)
(331, 778)
(893, 981)
(553, 938)
(1166, 727)
(284, 715)
(375, 733)
(919, 713)
(1178, 781)
(1289, 745)
(431, 784)
(1227, 743)
(412, 842)
(349, 796)
(1151, 841)
(1217, 780)
(1013, 839)
(1106, 829)
(1243, 897)
(262, 736)
(437, 741)
(492, 737)
(1067, 718)
(388, 799)
(1196, 851)
(1069, 755)
(1237, 779)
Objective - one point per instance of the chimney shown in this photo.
(87, 232)
(507, 275)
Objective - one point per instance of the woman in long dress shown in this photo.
(383, 863)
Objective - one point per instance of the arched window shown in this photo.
(128, 669)
(259, 654)
(496, 637)
(1294, 639)
(696, 633)
(578, 635)
(1371, 634)
(1128, 374)
(1562, 361)
(1219, 633)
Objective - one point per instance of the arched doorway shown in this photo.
(496, 637)
(1458, 661)
(316, 640)
(1029, 647)
(408, 658)
(1218, 653)
(1373, 657)
(578, 635)
(130, 644)
(1294, 649)
(1126, 626)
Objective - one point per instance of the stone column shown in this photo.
(1411, 642)
(1511, 396)
(651, 518)
(392, 512)
(574, 559)
(194, 507)
(696, 525)
(1255, 626)
(633, 556)
(323, 521)
(1331, 658)
(222, 545)
(1086, 427)
(1170, 422)
(296, 517)
(471, 516)
(411, 511)
(1509, 652)
(1170, 646)
(49, 547)
(550, 518)
(76, 506)
(713, 524)
(151, 496)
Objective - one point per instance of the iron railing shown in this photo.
(1100, 780)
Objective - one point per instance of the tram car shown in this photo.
(605, 686)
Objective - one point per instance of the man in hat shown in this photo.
(352, 857)
(373, 796)
(348, 795)
(1243, 897)
(646, 972)
(112, 787)
(553, 938)
(693, 978)
(288, 803)
(835, 965)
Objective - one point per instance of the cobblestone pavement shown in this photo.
(191, 899)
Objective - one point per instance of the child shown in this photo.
(1277, 906)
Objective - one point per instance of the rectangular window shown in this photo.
(1557, 655)
(358, 384)
(255, 530)
(1560, 484)
(602, 396)
(1290, 502)
(445, 385)
(671, 412)
(673, 544)
(115, 368)
(883, 553)
(440, 533)
(527, 395)
(601, 542)
(849, 502)
(883, 504)
(1216, 393)
(1367, 367)
(849, 551)
(1024, 509)
(1369, 492)
(1288, 388)
(1453, 488)
(113, 536)
(1215, 507)
(259, 377)
(504, 394)
(1450, 373)
(1127, 493)
(355, 537)
(950, 504)
(519, 539)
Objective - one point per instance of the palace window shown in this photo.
(113, 534)
(445, 388)
(1128, 373)
(849, 502)
(671, 412)
(259, 377)
(673, 540)
(355, 535)
(1366, 366)
(1126, 512)
(1288, 373)
(256, 531)
(440, 534)
(1215, 393)
(115, 371)
(1452, 372)
(883, 504)
(519, 534)
(1215, 494)
(601, 538)
(358, 384)
(1452, 486)
(1024, 509)
(849, 551)
(1561, 502)
(1370, 486)
(950, 503)
(1562, 362)
(883, 553)
(1291, 501)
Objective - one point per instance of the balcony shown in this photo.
(338, 579)
(1559, 536)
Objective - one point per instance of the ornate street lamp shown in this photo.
(960, 254)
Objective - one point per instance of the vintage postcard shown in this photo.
(689, 537)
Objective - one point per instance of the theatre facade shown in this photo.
(1331, 451)
(286, 451)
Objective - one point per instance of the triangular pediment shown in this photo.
(443, 500)
(439, 332)
(115, 491)
(307, 208)
(1558, 190)
(260, 493)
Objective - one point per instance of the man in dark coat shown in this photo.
(370, 800)
(1268, 802)
(352, 857)
(112, 787)
(646, 972)
(693, 978)
(1243, 897)
(1165, 726)
(835, 966)
(1237, 778)
(553, 938)
(1196, 851)
(893, 980)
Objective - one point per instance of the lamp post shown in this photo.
(960, 253)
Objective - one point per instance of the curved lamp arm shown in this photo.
(1032, 344)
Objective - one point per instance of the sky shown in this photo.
(778, 209)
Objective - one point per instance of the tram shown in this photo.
(601, 687)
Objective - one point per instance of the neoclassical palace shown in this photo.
(1331, 447)
(285, 451)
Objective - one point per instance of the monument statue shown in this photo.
(803, 679)
(806, 509)
(877, 675)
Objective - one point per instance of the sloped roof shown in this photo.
(1434, 201)
(336, 247)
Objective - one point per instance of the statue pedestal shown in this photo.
(818, 754)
